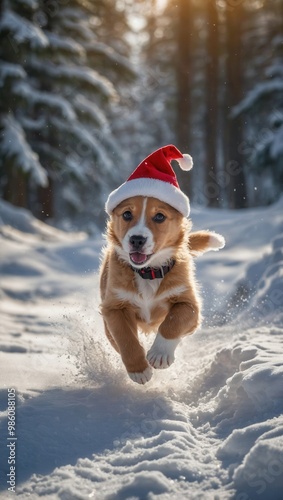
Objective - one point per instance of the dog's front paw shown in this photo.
(161, 353)
(141, 377)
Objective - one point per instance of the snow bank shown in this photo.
(231, 280)
(12, 217)
(268, 296)
(33, 255)
(263, 281)
(259, 450)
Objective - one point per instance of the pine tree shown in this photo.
(167, 78)
(262, 108)
(184, 38)
(157, 82)
(62, 115)
(19, 37)
(234, 166)
(211, 122)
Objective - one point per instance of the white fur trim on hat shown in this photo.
(163, 191)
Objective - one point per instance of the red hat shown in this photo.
(156, 178)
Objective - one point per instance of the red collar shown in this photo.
(151, 273)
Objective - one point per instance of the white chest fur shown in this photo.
(146, 297)
(147, 291)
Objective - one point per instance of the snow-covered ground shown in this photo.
(209, 427)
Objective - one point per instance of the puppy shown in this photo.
(147, 280)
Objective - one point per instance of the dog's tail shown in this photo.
(203, 241)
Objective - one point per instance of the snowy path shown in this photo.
(210, 427)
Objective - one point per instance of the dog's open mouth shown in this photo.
(139, 258)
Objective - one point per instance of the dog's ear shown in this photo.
(203, 241)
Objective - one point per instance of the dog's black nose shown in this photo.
(137, 241)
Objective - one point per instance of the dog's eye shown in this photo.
(127, 215)
(159, 217)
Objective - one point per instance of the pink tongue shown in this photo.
(138, 258)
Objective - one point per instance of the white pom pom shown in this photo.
(186, 163)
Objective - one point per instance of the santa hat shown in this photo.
(156, 178)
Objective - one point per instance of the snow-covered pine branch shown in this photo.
(50, 101)
(95, 48)
(32, 124)
(11, 71)
(75, 22)
(81, 75)
(23, 30)
(262, 90)
(64, 45)
(15, 147)
(89, 110)
(83, 136)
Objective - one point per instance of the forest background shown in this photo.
(88, 88)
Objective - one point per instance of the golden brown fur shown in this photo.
(175, 305)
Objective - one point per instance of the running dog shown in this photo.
(147, 275)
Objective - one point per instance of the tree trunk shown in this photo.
(184, 83)
(234, 161)
(13, 180)
(211, 116)
(45, 199)
(15, 188)
(44, 206)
